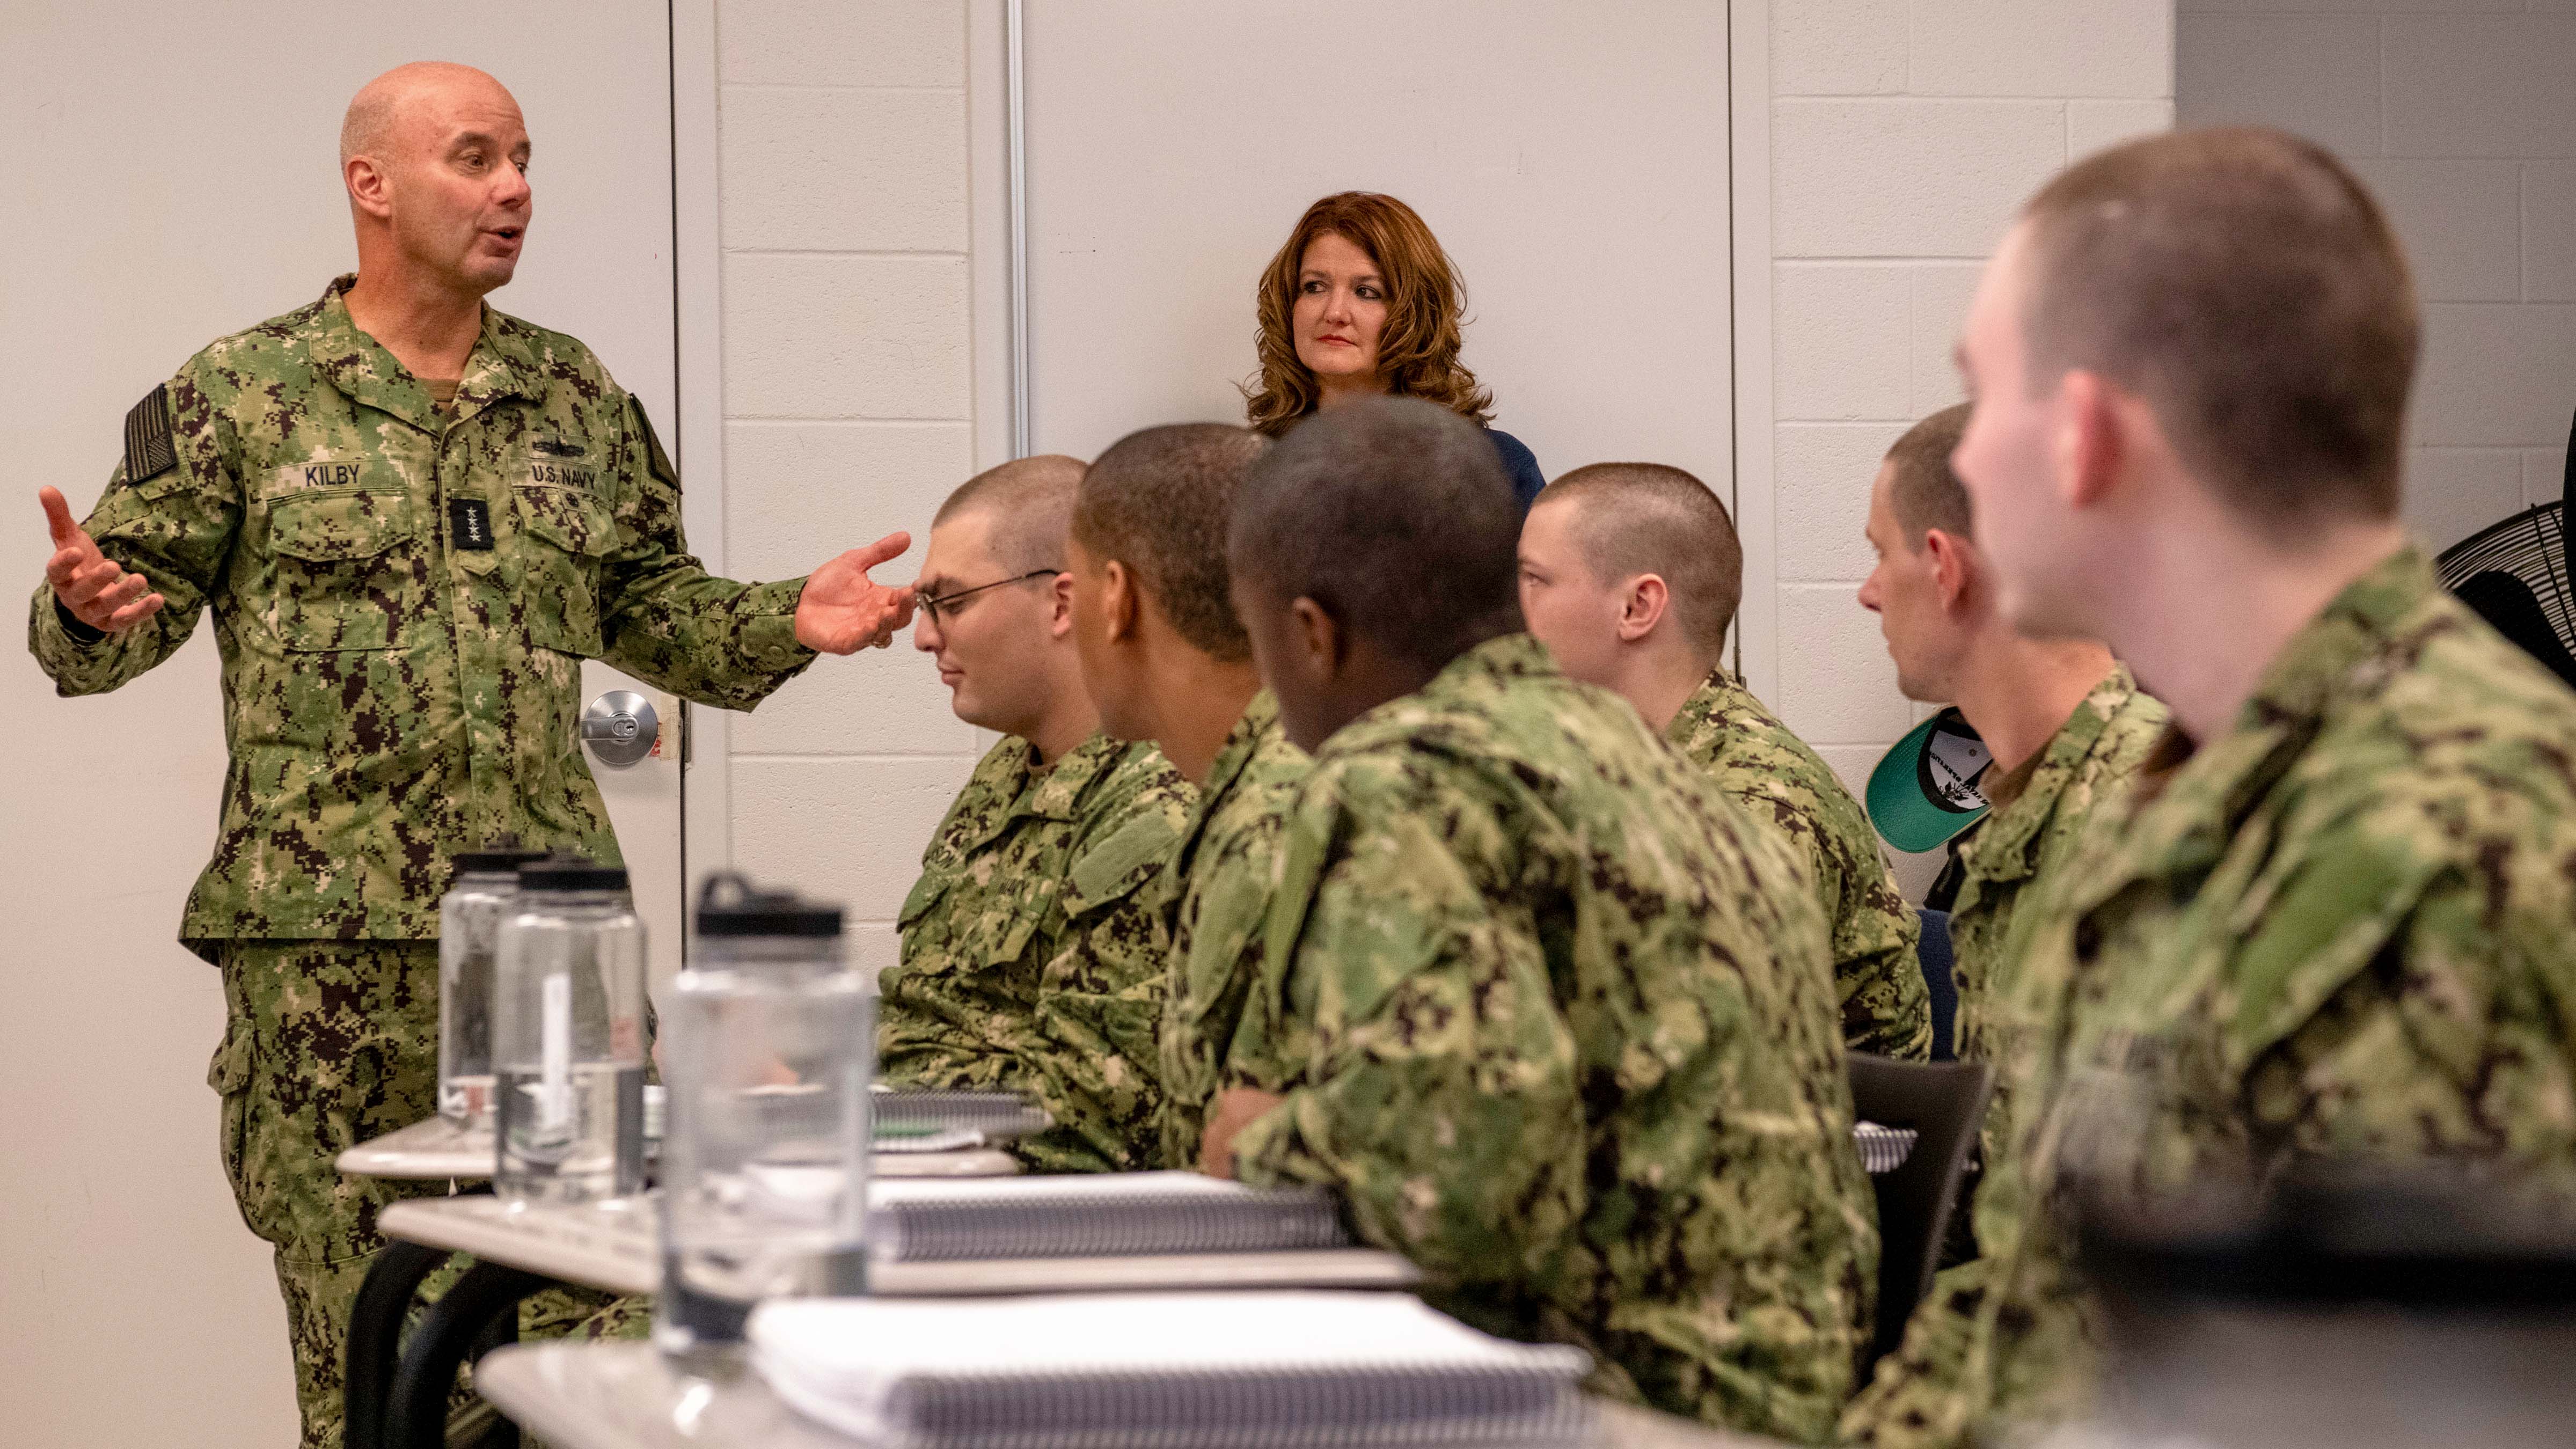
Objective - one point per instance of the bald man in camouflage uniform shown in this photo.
(409, 539)
(1035, 951)
(1554, 1017)
(2334, 923)
(1630, 573)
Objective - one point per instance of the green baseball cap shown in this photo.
(1924, 791)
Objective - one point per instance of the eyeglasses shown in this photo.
(943, 608)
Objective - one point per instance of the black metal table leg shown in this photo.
(502, 1330)
(375, 1337)
(416, 1412)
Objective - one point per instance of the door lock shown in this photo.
(620, 728)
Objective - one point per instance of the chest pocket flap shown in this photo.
(338, 574)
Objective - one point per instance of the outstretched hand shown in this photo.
(843, 610)
(96, 590)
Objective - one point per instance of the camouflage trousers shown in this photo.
(327, 1044)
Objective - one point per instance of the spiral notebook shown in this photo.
(955, 1118)
(1122, 1214)
(1164, 1371)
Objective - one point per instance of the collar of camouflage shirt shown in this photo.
(502, 365)
(2028, 799)
(2191, 798)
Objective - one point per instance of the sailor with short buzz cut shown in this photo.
(411, 518)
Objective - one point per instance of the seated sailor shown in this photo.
(1034, 947)
(1546, 1008)
(1630, 575)
(1166, 660)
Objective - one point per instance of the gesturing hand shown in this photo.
(91, 585)
(843, 610)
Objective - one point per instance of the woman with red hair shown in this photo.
(1362, 302)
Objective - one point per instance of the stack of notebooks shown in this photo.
(938, 1236)
(918, 1120)
(1164, 1371)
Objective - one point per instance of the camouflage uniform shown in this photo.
(1786, 787)
(1034, 955)
(1560, 1024)
(2340, 931)
(1221, 880)
(392, 694)
(2041, 810)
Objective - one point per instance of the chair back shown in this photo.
(1943, 1103)
(1933, 955)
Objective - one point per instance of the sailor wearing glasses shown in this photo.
(1033, 954)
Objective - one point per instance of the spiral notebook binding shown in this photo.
(1364, 1406)
(996, 1115)
(934, 1230)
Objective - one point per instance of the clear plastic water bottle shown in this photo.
(469, 928)
(568, 1036)
(768, 1042)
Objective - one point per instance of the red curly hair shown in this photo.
(1418, 350)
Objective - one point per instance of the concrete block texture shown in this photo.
(1838, 48)
(846, 337)
(1839, 342)
(2481, 85)
(846, 830)
(796, 493)
(1837, 686)
(2040, 48)
(2549, 231)
(1938, 296)
(2544, 476)
(2495, 375)
(836, 43)
(844, 170)
(1824, 471)
(2453, 492)
(2093, 125)
(876, 702)
(2317, 75)
(2460, 221)
(1906, 177)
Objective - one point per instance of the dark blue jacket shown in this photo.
(1522, 464)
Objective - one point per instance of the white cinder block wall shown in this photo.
(2461, 114)
(849, 410)
(1904, 135)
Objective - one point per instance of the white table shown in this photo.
(440, 1151)
(627, 1396)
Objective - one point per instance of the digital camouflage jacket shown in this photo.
(2338, 931)
(1035, 951)
(403, 598)
(1560, 1024)
(1787, 788)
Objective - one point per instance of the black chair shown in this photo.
(1933, 955)
(1943, 1102)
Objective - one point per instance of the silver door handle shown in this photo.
(620, 728)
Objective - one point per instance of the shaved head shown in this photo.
(1651, 518)
(1158, 501)
(1031, 501)
(381, 106)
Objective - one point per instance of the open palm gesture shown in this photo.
(843, 610)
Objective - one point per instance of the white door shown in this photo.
(172, 177)
(1571, 158)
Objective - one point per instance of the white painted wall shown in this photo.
(849, 353)
(2461, 115)
(1903, 135)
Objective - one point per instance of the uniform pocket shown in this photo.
(341, 577)
(229, 1074)
(564, 533)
